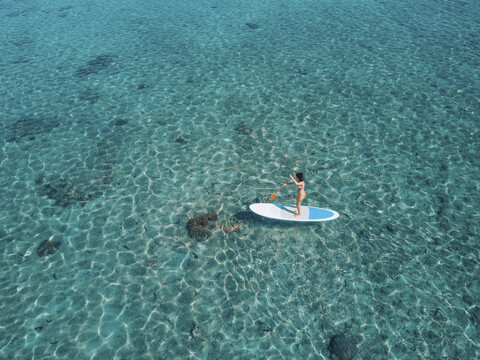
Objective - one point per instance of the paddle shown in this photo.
(273, 195)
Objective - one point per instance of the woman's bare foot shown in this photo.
(297, 215)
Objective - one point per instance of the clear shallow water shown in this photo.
(122, 121)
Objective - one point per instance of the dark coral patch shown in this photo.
(65, 8)
(68, 191)
(48, 247)
(94, 66)
(343, 347)
(89, 179)
(181, 140)
(252, 26)
(30, 127)
(243, 129)
(121, 122)
(90, 96)
(19, 13)
(199, 227)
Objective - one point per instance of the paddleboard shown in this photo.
(287, 212)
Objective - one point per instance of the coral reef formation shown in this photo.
(29, 127)
(343, 347)
(94, 66)
(87, 181)
(181, 140)
(199, 227)
(252, 26)
(48, 247)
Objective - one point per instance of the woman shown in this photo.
(301, 190)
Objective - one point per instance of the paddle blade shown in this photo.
(273, 195)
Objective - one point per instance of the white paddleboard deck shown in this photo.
(287, 212)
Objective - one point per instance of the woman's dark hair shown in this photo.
(299, 176)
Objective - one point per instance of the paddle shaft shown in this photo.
(273, 195)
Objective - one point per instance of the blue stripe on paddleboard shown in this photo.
(317, 214)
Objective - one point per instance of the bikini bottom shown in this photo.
(301, 197)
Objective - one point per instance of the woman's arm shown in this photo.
(294, 181)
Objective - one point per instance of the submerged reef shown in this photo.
(121, 122)
(48, 247)
(181, 140)
(342, 347)
(199, 227)
(94, 66)
(66, 191)
(252, 26)
(87, 181)
(29, 127)
(89, 95)
(243, 129)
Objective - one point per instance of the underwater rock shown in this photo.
(130, 223)
(89, 179)
(181, 140)
(90, 95)
(63, 11)
(121, 122)
(264, 327)
(243, 129)
(39, 179)
(476, 315)
(68, 191)
(48, 247)
(94, 66)
(19, 13)
(142, 86)
(65, 8)
(343, 347)
(252, 25)
(151, 261)
(200, 226)
(30, 127)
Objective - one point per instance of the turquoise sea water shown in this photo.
(122, 120)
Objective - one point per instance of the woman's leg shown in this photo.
(299, 202)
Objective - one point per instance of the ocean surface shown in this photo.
(123, 123)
